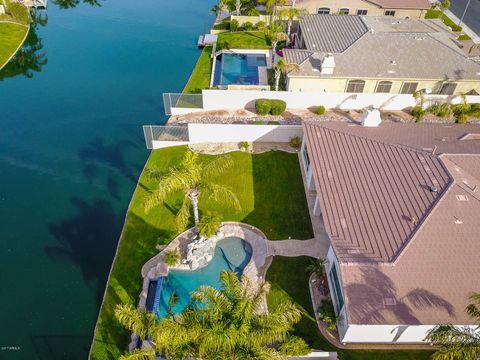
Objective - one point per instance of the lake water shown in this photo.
(71, 150)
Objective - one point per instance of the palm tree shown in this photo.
(138, 321)
(194, 178)
(274, 33)
(209, 224)
(462, 343)
(282, 67)
(289, 15)
(227, 323)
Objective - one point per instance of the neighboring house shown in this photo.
(397, 8)
(355, 54)
(401, 206)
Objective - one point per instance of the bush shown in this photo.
(234, 25)
(244, 146)
(294, 346)
(295, 142)
(260, 25)
(278, 107)
(263, 106)
(462, 118)
(224, 25)
(172, 257)
(418, 113)
(252, 12)
(320, 110)
(441, 110)
(247, 26)
(474, 109)
(327, 314)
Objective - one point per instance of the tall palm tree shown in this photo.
(227, 323)
(282, 67)
(275, 33)
(462, 343)
(289, 15)
(194, 178)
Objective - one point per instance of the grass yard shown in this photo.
(200, 78)
(270, 189)
(16, 12)
(242, 40)
(11, 36)
(290, 282)
(436, 14)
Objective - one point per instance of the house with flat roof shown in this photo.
(401, 206)
(362, 54)
(398, 8)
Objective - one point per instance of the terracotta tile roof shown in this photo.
(431, 277)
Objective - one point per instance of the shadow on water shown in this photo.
(113, 155)
(29, 59)
(88, 240)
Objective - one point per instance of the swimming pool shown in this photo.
(230, 254)
(238, 69)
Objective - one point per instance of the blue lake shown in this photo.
(71, 150)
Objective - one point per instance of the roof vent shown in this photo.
(393, 62)
(433, 189)
(389, 301)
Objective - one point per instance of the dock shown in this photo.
(207, 39)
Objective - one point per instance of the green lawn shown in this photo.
(11, 36)
(270, 189)
(289, 281)
(242, 40)
(16, 12)
(200, 78)
(436, 14)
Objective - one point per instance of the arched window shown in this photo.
(344, 11)
(384, 87)
(355, 86)
(324, 10)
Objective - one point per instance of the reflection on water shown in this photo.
(29, 59)
(68, 4)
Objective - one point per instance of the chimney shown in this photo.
(328, 65)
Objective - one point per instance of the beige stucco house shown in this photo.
(363, 54)
(397, 8)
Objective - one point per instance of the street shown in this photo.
(472, 17)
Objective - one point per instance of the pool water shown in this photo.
(230, 254)
(238, 69)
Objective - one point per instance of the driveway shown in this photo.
(472, 17)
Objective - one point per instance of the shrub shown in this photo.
(247, 26)
(418, 113)
(295, 142)
(244, 145)
(234, 25)
(474, 109)
(224, 25)
(263, 106)
(294, 346)
(278, 107)
(209, 224)
(260, 25)
(320, 110)
(172, 257)
(327, 314)
(462, 118)
(252, 12)
(441, 110)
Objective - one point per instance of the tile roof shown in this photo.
(331, 33)
(431, 276)
(402, 49)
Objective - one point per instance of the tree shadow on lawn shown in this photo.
(280, 208)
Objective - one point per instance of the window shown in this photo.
(448, 89)
(344, 11)
(408, 88)
(362, 12)
(324, 11)
(384, 87)
(355, 86)
(389, 12)
(337, 289)
(306, 157)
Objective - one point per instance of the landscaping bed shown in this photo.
(270, 189)
(289, 281)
